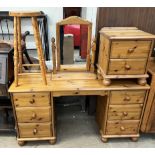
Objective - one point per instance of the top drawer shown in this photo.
(31, 99)
(130, 49)
(128, 96)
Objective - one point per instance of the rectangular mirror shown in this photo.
(73, 44)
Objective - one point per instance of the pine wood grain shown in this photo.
(34, 130)
(24, 13)
(19, 43)
(31, 99)
(124, 53)
(54, 55)
(122, 127)
(15, 52)
(127, 66)
(127, 97)
(76, 21)
(39, 49)
(32, 83)
(130, 49)
(127, 34)
(125, 112)
(33, 114)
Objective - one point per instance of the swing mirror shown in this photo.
(73, 42)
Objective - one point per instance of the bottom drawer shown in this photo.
(122, 127)
(34, 130)
(126, 66)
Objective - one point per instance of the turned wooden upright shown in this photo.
(17, 44)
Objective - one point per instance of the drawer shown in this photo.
(127, 66)
(129, 96)
(31, 99)
(122, 127)
(130, 49)
(125, 112)
(31, 114)
(34, 130)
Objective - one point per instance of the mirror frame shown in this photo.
(73, 20)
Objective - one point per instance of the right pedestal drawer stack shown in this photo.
(120, 114)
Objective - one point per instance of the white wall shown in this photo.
(54, 14)
(89, 13)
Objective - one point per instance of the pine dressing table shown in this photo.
(120, 106)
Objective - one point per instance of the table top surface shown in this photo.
(68, 82)
(125, 33)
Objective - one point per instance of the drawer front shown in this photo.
(34, 130)
(125, 112)
(31, 114)
(122, 127)
(127, 66)
(130, 49)
(126, 97)
(31, 99)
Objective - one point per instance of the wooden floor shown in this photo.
(70, 83)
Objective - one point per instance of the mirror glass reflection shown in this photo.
(73, 44)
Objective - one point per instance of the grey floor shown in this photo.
(78, 129)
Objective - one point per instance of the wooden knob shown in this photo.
(130, 50)
(35, 131)
(127, 98)
(53, 40)
(32, 101)
(125, 113)
(122, 128)
(127, 67)
(34, 115)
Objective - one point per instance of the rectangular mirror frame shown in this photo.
(73, 20)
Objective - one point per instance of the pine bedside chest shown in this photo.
(124, 53)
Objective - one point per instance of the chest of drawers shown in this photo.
(34, 115)
(120, 113)
(124, 53)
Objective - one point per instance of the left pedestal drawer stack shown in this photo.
(34, 113)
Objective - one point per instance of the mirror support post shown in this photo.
(93, 49)
(53, 55)
(58, 45)
(88, 65)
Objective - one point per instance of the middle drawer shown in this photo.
(125, 112)
(31, 114)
